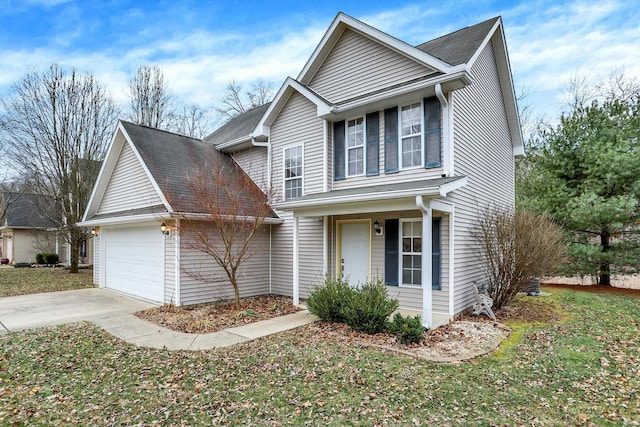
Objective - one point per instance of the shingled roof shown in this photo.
(26, 210)
(174, 161)
(238, 127)
(459, 47)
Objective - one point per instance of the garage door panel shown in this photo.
(134, 261)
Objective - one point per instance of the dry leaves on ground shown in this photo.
(213, 317)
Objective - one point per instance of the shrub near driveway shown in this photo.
(584, 370)
(23, 281)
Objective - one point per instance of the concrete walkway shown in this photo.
(114, 313)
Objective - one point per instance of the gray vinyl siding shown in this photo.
(410, 298)
(405, 175)
(310, 258)
(358, 65)
(170, 269)
(254, 162)
(96, 259)
(253, 275)
(129, 186)
(483, 152)
(298, 124)
(282, 255)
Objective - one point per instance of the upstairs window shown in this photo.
(293, 172)
(411, 135)
(355, 147)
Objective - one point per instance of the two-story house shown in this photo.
(380, 157)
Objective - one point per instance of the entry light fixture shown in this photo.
(94, 232)
(165, 229)
(377, 228)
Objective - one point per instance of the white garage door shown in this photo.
(134, 261)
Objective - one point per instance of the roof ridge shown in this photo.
(459, 30)
(159, 130)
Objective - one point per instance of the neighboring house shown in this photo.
(376, 147)
(25, 231)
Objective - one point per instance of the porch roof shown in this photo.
(334, 202)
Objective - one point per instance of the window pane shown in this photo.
(417, 277)
(417, 228)
(406, 277)
(417, 244)
(406, 244)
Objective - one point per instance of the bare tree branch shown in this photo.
(58, 125)
(150, 102)
(234, 103)
(192, 121)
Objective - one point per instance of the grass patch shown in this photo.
(23, 281)
(585, 370)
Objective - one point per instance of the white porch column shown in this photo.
(176, 261)
(296, 267)
(427, 251)
(325, 245)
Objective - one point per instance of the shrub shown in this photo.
(407, 329)
(514, 247)
(369, 308)
(22, 265)
(327, 300)
(51, 258)
(39, 258)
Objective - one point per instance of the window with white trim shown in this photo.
(355, 146)
(293, 172)
(411, 252)
(411, 135)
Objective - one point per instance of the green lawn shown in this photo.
(584, 369)
(22, 281)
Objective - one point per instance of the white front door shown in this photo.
(355, 251)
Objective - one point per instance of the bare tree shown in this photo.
(232, 210)
(235, 102)
(578, 92)
(150, 102)
(58, 125)
(191, 121)
(619, 86)
(514, 247)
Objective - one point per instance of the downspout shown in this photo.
(446, 131)
(267, 145)
(177, 263)
(427, 252)
(325, 154)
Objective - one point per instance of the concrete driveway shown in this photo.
(56, 308)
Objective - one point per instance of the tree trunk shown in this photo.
(75, 239)
(605, 267)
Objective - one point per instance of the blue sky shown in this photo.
(201, 45)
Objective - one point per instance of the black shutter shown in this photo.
(373, 136)
(338, 150)
(391, 140)
(436, 257)
(432, 133)
(391, 256)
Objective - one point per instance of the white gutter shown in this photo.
(166, 215)
(229, 144)
(427, 265)
(463, 75)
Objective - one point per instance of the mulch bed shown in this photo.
(213, 317)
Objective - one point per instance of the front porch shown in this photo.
(381, 239)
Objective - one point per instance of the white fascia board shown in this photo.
(155, 185)
(496, 36)
(518, 151)
(106, 169)
(336, 29)
(207, 217)
(288, 87)
(461, 75)
(350, 198)
(233, 143)
(124, 220)
(453, 185)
